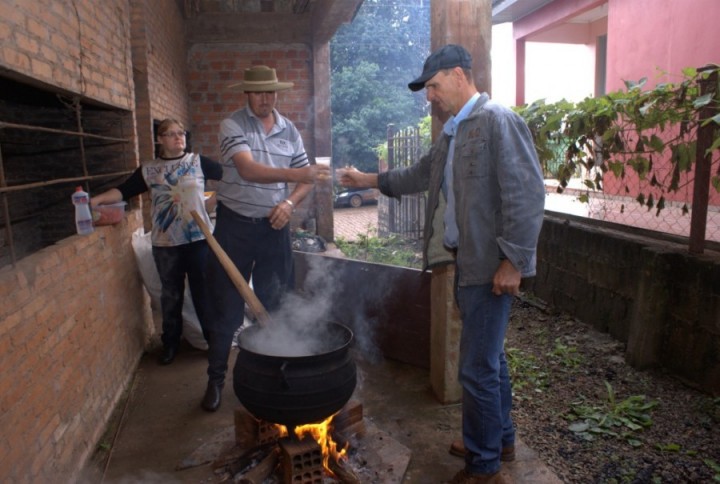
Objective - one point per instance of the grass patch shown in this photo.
(391, 250)
(619, 419)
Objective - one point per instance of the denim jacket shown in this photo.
(499, 194)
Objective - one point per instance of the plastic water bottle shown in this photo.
(83, 217)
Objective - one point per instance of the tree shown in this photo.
(372, 60)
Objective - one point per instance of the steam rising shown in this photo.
(300, 326)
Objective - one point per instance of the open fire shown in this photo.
(322, 434)
(305, 454)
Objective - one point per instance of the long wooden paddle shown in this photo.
(235, 276)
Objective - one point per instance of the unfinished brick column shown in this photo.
(468, 23)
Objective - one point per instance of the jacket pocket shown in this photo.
(474, 159)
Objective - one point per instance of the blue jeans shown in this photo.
(258, 251)
(483, 374)
(173, 264)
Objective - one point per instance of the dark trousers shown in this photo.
(173, 264)
(258, 251)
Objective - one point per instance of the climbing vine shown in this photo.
(644, 138)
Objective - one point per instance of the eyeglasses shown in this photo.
(170, 134)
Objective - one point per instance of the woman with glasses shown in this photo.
(176, 181)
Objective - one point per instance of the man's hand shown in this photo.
(312, 173)
(256, 172)
(507, 279)
(280, 215)
(353, 178)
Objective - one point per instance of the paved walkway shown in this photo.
(349, 222)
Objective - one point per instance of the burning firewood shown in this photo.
(343, 474)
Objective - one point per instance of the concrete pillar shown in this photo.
(647, 331)
(467, 23)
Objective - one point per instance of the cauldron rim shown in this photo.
(349, 336)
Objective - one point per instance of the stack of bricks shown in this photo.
(251, 432)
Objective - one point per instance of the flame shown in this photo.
(322, 434)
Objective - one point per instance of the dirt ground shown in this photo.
(593, 418)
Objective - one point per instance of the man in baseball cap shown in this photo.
(484, 214)
(444, 58)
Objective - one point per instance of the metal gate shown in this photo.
(405, 217)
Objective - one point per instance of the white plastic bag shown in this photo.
(142, 246)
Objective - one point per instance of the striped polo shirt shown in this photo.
(281, 148)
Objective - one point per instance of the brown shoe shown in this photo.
(458, 448)
(464, 477)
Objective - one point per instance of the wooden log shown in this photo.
(343, 474)
(260, 472)
(246, 459)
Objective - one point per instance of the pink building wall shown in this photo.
(653, 39)
(647, 35)
(659, 46)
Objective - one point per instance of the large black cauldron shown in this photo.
(295, 390)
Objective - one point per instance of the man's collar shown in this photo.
(450, 126)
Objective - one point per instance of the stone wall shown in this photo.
(645, 290)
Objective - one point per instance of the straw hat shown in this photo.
(260, 79)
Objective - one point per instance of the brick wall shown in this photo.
(73, 324)
(79, 46)
(212, 67)
(165, 50)
(74, 318)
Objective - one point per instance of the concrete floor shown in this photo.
(161, 426)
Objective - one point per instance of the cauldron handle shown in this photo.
(285, 384)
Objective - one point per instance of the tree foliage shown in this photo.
(373, 58)
(645, 139)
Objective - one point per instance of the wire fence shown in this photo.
(674, 219)
(406, 217)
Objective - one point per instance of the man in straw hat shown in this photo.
(484, 213)
(261, 152)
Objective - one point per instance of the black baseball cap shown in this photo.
(444, 58)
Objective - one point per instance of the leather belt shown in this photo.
(252, 220)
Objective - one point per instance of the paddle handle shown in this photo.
(235, 276)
